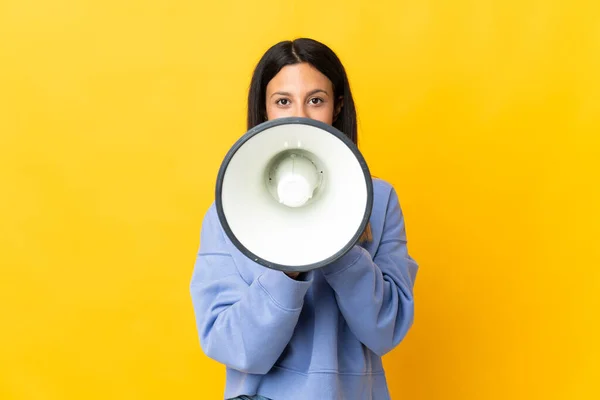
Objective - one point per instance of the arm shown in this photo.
(375, 296)
(245, 326)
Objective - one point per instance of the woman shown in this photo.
(319, 334)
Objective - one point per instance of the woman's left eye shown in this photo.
(315, 100)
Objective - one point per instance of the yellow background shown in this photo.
(115, 116)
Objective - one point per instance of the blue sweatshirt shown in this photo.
(321, 336)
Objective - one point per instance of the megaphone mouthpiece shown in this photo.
(296, 179)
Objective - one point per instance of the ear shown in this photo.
(338, 108)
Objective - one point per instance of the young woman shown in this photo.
(319, 334)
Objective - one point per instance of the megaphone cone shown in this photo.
(294, 194)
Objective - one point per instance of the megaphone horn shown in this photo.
(294, 194)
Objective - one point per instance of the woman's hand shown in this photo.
(292, 275)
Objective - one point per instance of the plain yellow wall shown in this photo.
(115, 116)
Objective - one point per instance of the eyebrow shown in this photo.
(315, 91)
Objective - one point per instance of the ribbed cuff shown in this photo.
(286, 292)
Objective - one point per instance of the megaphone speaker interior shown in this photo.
(294, 194)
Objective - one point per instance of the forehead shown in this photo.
(298, 78)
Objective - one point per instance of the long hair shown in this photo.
(322, 58)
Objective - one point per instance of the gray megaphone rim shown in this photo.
(287, 121)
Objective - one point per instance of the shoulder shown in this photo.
(386, 204)
(384, 194)
(386, 215)
(211, 225)
(210, 215)
(381, 186)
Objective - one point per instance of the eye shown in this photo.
(283, 102)
(315, 100)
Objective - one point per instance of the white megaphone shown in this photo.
(294, 194)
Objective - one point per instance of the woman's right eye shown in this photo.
(283, 102)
